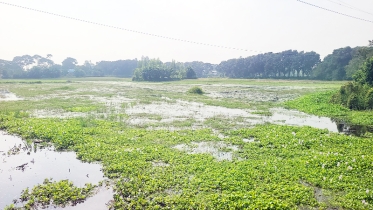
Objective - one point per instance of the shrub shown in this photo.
(196, 90)
(352, 102)
(352, 95)
(355, 102)
(369, 99)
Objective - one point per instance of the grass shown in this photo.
(319, 104)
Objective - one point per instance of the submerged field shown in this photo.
(160, 147)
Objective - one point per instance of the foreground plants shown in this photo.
(50, 193)
(319, 104)
(273, 167)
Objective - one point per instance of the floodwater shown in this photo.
(296, 118)
(200, 112)
(357, 130)
(5, 95)
(180, 110)
(27, 167)
(217, 149)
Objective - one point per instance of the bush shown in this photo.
(352, 95)
(354, 102)
(369, 99)
(196, 90)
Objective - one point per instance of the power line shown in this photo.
(341, 3)
(126, 29)
(335, 11)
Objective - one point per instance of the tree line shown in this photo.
(38, 67)
(341, 64)
(286, 64)
(155, 70)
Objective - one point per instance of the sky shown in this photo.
(258, 26)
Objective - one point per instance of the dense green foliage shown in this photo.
(365, 74)
(59, 193)
(155, 70)
(332, 67)
(357, 95)
(353, 96)
(286, 64)
(342, 64)
(279, 170)
(359, 56)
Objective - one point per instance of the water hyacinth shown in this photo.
(263, 174)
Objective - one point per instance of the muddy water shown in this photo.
(29, 167)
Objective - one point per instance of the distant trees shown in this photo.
(200, 68)
(341, 64)
(287, 64)
(332, 67)
(69, 63)
(359, 56)
(120, 68)
(154, 70)
(190, 74)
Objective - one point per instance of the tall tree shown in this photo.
(69, 63)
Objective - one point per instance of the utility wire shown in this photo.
(126, 29)
(350, 16)
(350, 6)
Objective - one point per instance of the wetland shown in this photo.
(242, 144)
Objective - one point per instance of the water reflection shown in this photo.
(24, 167)
(357, 130)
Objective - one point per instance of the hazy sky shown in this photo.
(258, 25)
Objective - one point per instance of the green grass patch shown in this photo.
(319, 104)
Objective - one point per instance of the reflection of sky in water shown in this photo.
(296, 118)
(200, 112)
(42, 164)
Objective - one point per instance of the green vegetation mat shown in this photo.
(280, 167)
(319, 104)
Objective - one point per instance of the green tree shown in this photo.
(69, 63)
(365, 73)
(333, 65)
(190, 74)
